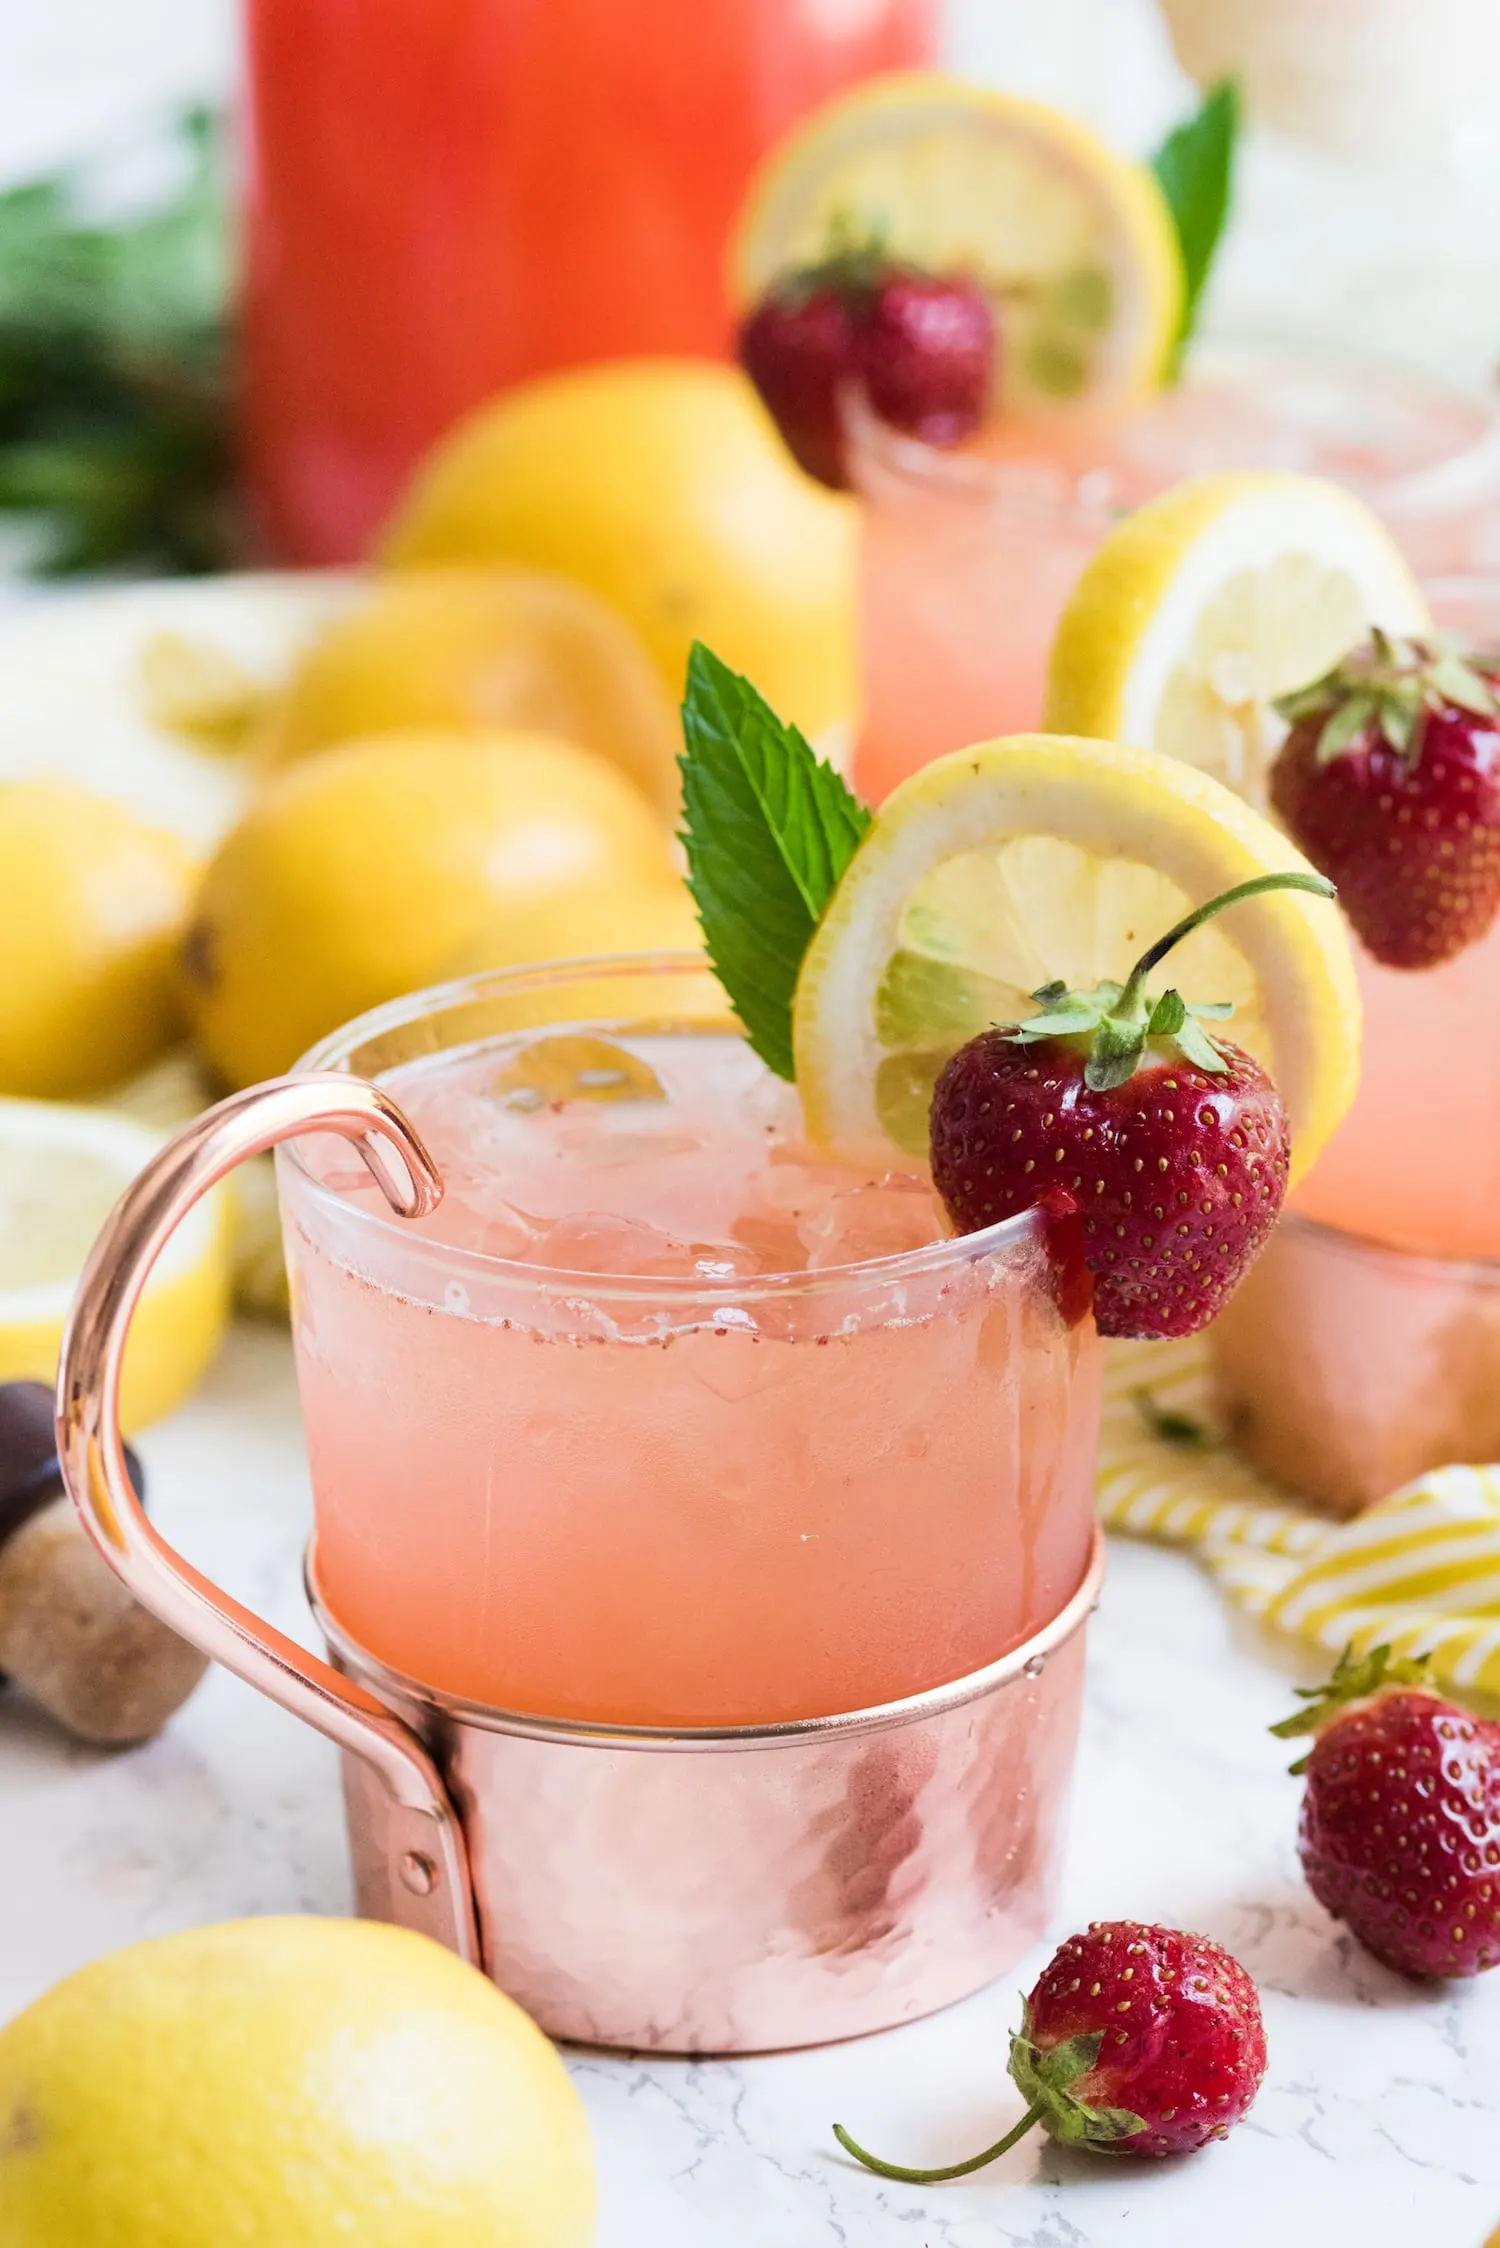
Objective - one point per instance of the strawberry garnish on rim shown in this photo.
(1400, 1826)
(920, 345)
(1390, 781)
(1171, 1142)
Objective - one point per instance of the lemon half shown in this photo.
(1075, 243)
(61, 1172)
(1004, 867)
(1206, 604)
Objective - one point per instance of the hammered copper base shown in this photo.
(741, 1890)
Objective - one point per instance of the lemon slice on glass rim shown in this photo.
(1040, 858)
(62, 1170)
(1075, 243)
(1203, 606)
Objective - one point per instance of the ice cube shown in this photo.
(551, 1071)
(777, 1198)
(887, 1218)
(620, 1248)
(770, 1108)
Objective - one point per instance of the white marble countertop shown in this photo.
(1380, 2116)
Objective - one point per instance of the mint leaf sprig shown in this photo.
(769, 829)
(1195, 169)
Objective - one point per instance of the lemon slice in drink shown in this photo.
(1041, 858)
(1207, 603)
(1074, 242)
(61, 1172)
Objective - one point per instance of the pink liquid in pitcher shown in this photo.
(664, 1418)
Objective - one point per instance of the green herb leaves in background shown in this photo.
(114, 370)
(769, 829)
(1195, 166)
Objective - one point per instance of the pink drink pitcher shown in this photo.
(682, 1887)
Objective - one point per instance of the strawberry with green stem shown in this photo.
(1400, 1828)
(1390, 782)
(1137, 2040)
(1171, 1143)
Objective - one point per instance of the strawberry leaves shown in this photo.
(769, 829)
(1394, 683)
(1117, 1020)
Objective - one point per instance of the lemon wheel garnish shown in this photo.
(1206, 604)
(1043, 858)
(61, 1172)
(1075, 243)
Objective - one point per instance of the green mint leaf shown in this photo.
(1195, 167)
(769, 830)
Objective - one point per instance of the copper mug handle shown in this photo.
(429, 1880)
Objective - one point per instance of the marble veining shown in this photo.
(1380, 2114)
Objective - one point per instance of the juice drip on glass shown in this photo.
(695, 1454)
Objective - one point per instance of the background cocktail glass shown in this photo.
(1365, 1347)
(968, 557)
(697, 1492)
(448, 196)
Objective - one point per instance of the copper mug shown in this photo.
(689, 1889)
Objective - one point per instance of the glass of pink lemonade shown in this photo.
(1365, 1346)
(968, 556)
(662, 1418)
(704, 1541)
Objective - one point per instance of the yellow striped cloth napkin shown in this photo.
(1421, 1569)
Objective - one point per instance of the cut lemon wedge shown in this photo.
(1042, 858)
(1075, 243)
(61, 1172)
(1202, 607)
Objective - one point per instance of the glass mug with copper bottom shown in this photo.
(703, 1542)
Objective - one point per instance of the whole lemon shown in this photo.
(462, 647)
(663, 485)
(366, 872)
(287, 2082)
(585, 924)
(92, 902)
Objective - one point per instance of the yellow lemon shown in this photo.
(1203, 606)
(287, 2082)
(62, 1169)
(1038, 858)
(1075, 243)
(662, 484)
(92, 902)
(368, 871)
(461, 648)
(585, 924)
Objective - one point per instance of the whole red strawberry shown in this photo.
(1390, 781)
(1136, 2040)
(1400, 1832)
(1173, 1144)
(920, 345)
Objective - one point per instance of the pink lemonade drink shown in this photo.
(663, 1418)
(1365, 1348)
(968, 557)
